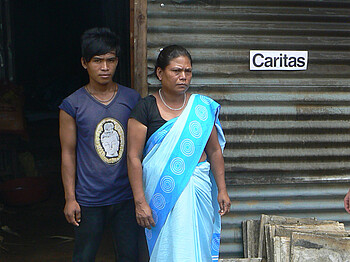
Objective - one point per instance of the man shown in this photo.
(93, 133)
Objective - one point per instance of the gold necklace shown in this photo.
(171, 108)
(99, 100)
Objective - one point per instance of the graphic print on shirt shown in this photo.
(109, 140)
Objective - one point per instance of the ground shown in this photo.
(42, 230)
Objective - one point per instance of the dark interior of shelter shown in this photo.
(39, 66)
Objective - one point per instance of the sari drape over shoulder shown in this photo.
(181, 192)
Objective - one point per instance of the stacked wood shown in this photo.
(241, 260)
(287, 239)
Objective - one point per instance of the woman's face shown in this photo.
(176, 76)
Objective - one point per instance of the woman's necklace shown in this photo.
(99, 100)
(175, 109)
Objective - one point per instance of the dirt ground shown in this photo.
(42, 231)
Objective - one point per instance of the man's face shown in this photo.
(101, 68)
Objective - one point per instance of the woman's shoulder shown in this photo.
(145, 104)
(149, 98)
(204, 98)
(147, 101)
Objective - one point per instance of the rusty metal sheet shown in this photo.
(287, 133)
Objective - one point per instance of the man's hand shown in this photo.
(347, 202)
(144, 215)
(72, 212)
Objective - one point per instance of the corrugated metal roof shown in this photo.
(287, 132)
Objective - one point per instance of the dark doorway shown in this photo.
(44, 39)
(46, 42)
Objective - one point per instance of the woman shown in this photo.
(175, 145)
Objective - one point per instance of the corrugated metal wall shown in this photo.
(288, 149)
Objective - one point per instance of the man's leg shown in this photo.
(88, 234)
(125, 231)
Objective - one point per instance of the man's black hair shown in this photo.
(98, 41)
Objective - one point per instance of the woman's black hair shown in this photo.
(98, 41)
(168, 53)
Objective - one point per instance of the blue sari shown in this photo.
(181, 192)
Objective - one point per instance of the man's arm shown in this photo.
(136, 142)
(68, 133)
(216, 160)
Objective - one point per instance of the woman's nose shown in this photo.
(183, 75)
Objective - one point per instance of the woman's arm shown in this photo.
(136, 142)
(216, 160)
(68, 134)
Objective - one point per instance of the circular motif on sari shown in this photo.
(195, 129)
(148, 233)
(158, 201)
(177, 165)
(187, 147)
(167, 184)
(206, 100)
(155, 216)
(201, 112)
(216, 243)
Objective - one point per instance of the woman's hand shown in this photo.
(224, 202)
(144, 215)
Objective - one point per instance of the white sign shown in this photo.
(278, 60)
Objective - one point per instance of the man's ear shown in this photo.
(83, 62)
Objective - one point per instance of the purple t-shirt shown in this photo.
(101, 176)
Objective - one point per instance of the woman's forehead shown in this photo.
(180, 60)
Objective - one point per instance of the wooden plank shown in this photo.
(132, 47)
(244, 238)
(312, 247)
(281, 249)
(266, 219)
(272, 230)
(330, 228)
(140, 47)
(269, 242)
(241, 260)
(253, 227)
